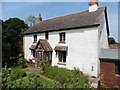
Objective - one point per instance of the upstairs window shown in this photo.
(46, 35)
(35, 38)
(62, 37)
(117, 68)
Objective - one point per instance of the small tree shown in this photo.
(111, 40)
(31, 20)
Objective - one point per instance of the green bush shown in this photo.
(67, 78)
(44, 65)
(18, 79)
(17, 73)
(21, 60)
(9, 75)
(31, 83)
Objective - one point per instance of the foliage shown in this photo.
(31, 20)
(9, 75)
(21, 60)
(12, 38)
(17, 79)
(44, 65)
(111, 40)
(67, 78)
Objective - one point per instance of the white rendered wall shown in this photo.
(82, 49)
(104, 36)
(28, 41)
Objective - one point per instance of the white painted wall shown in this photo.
(103, 42)
(28, 41)
(82, 49)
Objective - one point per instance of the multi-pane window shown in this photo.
(62, 37)
(62, 56)
(117, 68)
(35, 38)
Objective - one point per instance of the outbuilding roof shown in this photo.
(84, 19)
(110, 54)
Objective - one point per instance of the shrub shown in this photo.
(31, 83)
(17, 73)
(9, 75)
(67, 78)
(21, 60)
(44, 65)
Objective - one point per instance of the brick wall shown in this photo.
(107, 74)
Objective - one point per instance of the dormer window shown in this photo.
(62, 37)
(35, 38)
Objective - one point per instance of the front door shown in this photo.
(40, 56)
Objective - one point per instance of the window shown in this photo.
(35, 38)
(40, 55)
(62, 37)
(117, 68)
(46, 35)
(33, 53)
(62, 56)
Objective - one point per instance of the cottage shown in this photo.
(70, 41)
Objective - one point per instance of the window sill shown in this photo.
(35, 42)
(61, 42)
(61, 63)
(118, 75)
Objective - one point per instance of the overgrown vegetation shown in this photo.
(53, 77)
(67, 78)
(22, 79)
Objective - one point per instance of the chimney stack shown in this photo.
(93, 5)
(39, 18)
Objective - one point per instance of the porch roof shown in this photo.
(44, 44)
(61, 48)
(32, 47)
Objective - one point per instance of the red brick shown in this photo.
(107, 74)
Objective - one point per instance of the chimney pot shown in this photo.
(39, 18)
(93, 2)
(93, 5)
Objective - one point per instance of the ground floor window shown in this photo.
(117, 68)
(48, 55)
(62, 56)
(33, 53)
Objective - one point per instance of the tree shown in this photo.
(31, 20)
(12, 30)
(111, 40)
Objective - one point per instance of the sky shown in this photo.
(55, 9)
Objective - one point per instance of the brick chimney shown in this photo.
(93, 5)
(39, 18)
